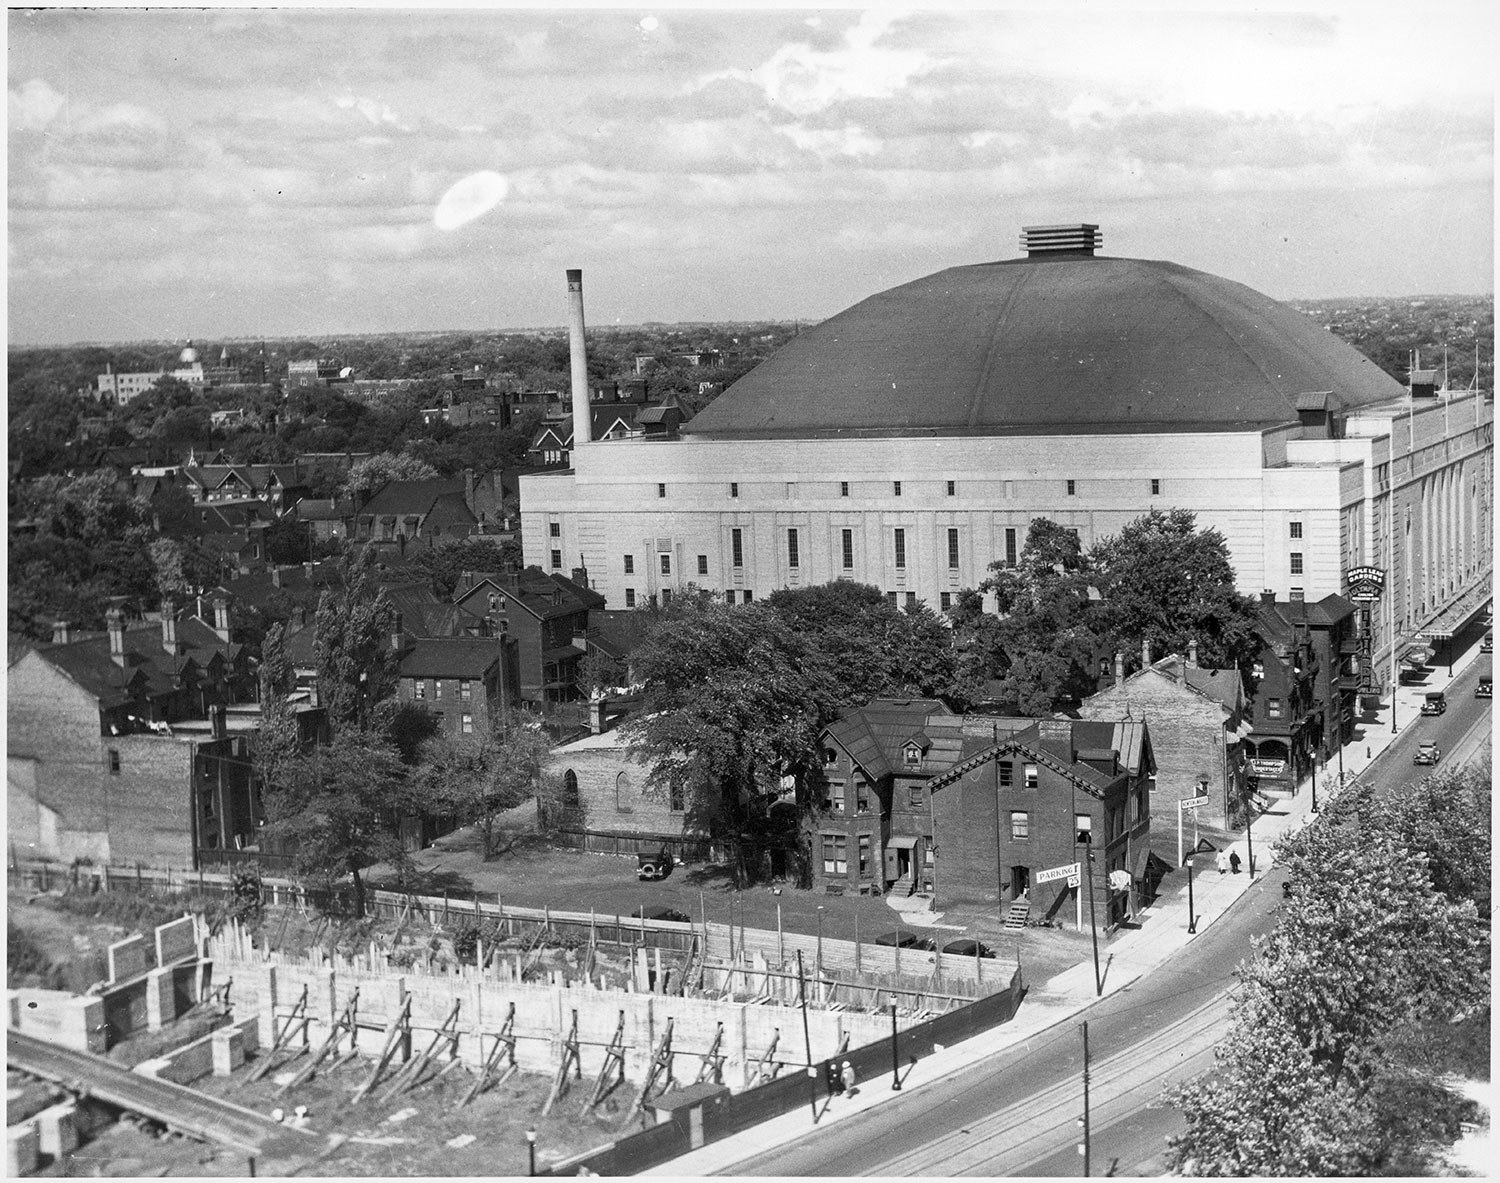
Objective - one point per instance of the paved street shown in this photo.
(1006, 1103)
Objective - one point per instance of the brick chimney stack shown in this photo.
(1193, 653)
(1145, 652)
(114, 620)
(1119, 667)
(62, 632)
(169, 627)
(221, 618)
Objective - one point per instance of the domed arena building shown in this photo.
(909, 441)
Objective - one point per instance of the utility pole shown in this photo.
(1094, 923)
(1083, 1147)
(812, 1080)
(1192, 912)
(895, 1060)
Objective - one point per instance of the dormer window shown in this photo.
(913, 755)
(830, 756)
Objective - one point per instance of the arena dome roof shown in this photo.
(1058, 342)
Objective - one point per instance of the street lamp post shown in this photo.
(531, 1150)
(1315, 782)
(1192, 912)
(1093, 922)
(895, 1060)
(1249, 839)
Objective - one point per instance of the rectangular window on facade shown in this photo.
(1083, 826)
(1295, 529)
(911, 599)
(465, 690)
(630, 597)
(702, 564)
(1020, 826)
(828, 796)
(734, 488)
(953, 550)
(945, 600)
(1031, 775)
(1072, 488)
(557, 560)
(836, 796)
(864, 855)
(661, 490)
(861, 797)
(1155, 486)
(114, 761)
(737, 547)
(843, 488)
(1010, 546)
(914, 795)
(749, 595)
(666, 564)
(1274, 708)
(466, 724)
(676, 799)
(554, 529)
(900, 536)
(835, 856)
(419, 688)
(791, 548)
(629, 564)
(666, 596)
(1007, 773)
(891, 598)
(952, 488)
(1296, 562)
(896, 487)
(847, 538)
(437, 688)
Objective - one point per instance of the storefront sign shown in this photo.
(1364, 584)
(1270, 768)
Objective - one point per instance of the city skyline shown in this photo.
(238, 173)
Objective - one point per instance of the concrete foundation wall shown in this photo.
(68, 1020)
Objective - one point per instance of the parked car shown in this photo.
(905, 939)
(654, 866)
(661, 912)
(968, 948)
(1427, 753)
(1434, 703)
(1488, 644)
(1484, 689)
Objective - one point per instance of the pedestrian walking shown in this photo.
(1234, 861)
(834, 1078)
(847, 1075)
(1223, 861)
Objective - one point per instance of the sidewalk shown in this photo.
(1131, 952)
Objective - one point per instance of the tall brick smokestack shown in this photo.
(578, 356)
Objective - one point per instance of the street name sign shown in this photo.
(1192, 802)
(1071, 871)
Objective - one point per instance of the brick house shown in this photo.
(547, 615)
(603, 805)
(1041, 798)
(1304, 689)
(120, 746)
(1197, 717)
(458, 680)
(402, 512)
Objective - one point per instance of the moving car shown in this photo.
(1427, 753)
(1484, 689)
(1488, 644)
(1434, 703)
(906, 940)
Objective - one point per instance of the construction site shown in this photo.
(462, 1038)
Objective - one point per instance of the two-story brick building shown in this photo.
(120, 746)
(1062, 791)
(461, 681)
(1197, 717)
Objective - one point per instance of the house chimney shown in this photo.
(581, 576)
(216, 726)
(114, 620)
(275, 574)
(169, 627)
(1145, 652)
(307, 569)
(62, 632)
(398, 633)
(1119, 668)
(597, 711)
(1193, 653)
(578, 356)
(221, 618)
(1267, 596)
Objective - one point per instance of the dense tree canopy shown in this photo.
(477, 778)
(356, 665)
(1380, 945)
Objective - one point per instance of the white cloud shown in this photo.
(804, 80)
(34, 106)
(376, 112)
(845, 141)
(470, 198)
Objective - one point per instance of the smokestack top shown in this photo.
(575, 276)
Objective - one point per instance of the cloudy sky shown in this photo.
(237, 173)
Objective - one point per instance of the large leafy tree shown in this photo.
(733, 700)
(443, 564)
(357, 668)
(1041, 648)
(367, 475)
(1163, 580)
(477, 778)
(1379, 944)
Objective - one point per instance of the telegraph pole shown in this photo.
(1192, 912)
(1094, 925)
(812, 1079)
(1083, 1147)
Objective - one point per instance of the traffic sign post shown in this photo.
(1189, 803)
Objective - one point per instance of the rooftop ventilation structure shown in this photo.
(1078, 238)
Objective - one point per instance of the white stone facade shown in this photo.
(672, 507)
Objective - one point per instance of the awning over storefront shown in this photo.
(903, 842)
(1417, 655)
(1454, 616)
